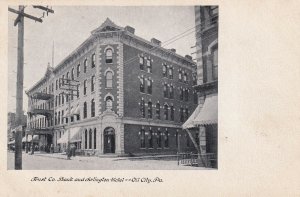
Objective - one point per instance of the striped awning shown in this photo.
(75, 136)
(208, 114)
(29, 138)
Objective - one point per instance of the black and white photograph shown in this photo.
(112, 87)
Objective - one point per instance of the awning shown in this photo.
(75, 136)
(208, 114)
(29, 138)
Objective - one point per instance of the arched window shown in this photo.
(149, 86)
(58, 118)
(164, 70)
(93, 84)
(157, 110)
(84, 87)
(172, 113)
(78, 70)
(149, 109)
(108, 56)
(109, 79)
(67, 77)
(166, 112)
(90, 139)
(142, 108)
(62, 81)
(142, 136)
(109, 103)
(85, 139)
(93, 108)
(93, 60)
(84, 110)
(158, 139)
(142, 84)
(150, 139)
(62, 99)
(84, 65)
(167, 139)
(95, 138)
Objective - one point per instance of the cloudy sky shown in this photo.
(69, 26)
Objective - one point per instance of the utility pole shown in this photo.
(20, 76)
(71, 88)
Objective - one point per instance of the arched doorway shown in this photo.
(109, 140)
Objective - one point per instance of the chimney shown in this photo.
(129, 29)
(155, 41)
(188, 57)
(173, 50)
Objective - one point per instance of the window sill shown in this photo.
(108, 88)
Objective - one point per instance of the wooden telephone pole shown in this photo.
(20, 76)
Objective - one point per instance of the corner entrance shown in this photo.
(109, 140)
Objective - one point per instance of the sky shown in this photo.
(69, 26)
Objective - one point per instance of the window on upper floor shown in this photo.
(93, 60)
(180, 75)
(67, 77)
(186, 94)
(84, 87)
(85, 65)
(149, 66)
(84, 110)
(181, 93)
(195, 97)
(62, 99)
(62, 117)
(142, 108)
(141, 61)
(142, 84)
(149, 86)
(109, 56)
(63, 80)
(171, 72)
(78, 70)
(165, 90)
(109, 103)
(194, 79)
(185, 77)
(109, 79)
(77, 91)
(215, 64)
(157, 110)
(93, 108)
(171, 90)
(149, 109)
(181, 114)
(164, 70)
(166, 112)
(58, 119)
(93, 83)
(186, 113)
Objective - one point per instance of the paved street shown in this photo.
(44, 161)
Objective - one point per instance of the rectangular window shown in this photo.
(84, 87)
(92, 83)
(78, 70)
(149, 66)
(93, 60)
(141, 60)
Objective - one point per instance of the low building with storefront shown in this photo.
(130, 96)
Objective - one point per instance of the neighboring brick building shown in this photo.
(205, 117)
(133, 96)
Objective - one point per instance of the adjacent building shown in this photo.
(205, 116)
(130, 96)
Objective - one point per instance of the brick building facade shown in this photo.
(132, 96)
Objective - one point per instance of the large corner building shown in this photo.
(131, 97)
